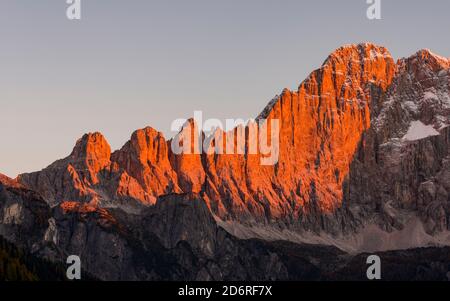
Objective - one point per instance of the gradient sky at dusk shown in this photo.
(132, 63)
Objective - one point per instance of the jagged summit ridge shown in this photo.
(428, 57)
(322, 126)
(331, 104)
(355, 52)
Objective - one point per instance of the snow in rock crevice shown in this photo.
(417, 130)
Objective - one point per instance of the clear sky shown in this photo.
(132, 63)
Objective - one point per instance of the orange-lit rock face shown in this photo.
(76, 176)
(93, 153)
(435, 62)
(145, 158)
(104, 217)
(187, 161)
(328, 114)
(320, 127)
(128, 187)
(4, 180)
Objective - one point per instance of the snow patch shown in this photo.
(411, 106)
(428, 95)
(417, 130)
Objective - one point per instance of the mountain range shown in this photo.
(364, 166)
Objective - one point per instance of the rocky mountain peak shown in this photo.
(420, 92)
(7, 181)
(148, 145)
(92, 152)
(146, 158)
(92, 149)
(427, 57)
(359, 51)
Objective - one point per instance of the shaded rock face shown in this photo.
(159, 244)
(178, 239)
(24, 215)
(177, 218)
(425, 264)
(394, 174)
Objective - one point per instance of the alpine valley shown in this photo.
(364, 168)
